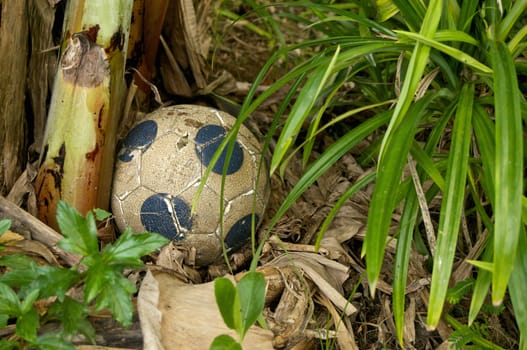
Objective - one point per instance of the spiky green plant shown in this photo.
(459, 64)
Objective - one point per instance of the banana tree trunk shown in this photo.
(78, 149)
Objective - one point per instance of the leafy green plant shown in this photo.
(25, 283)
(240, 307)
(439, 84)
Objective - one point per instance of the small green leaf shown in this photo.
(9, 302)
(73, 316)
(118, 298)
(225, 342)
(53, 341)
(80, 233)
(27, 303)
(3, 322)
(487, 266)
(129, 248)
(54, 281)
(459, 291)
(228, 302)
(16, 261)
(101, 214)
(9, 344)
(27, 325)
(5, 224)
(251, 291)
(95, 277)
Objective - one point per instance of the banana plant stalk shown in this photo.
(78, 149)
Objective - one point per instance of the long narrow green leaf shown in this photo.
(389, 172)
(350, 15)
(323, 163)
(380, 213)
(482, 285)
(517, 285)
(307, 98)
(510, 19)
(402, 258)
(428, 165)
(333, 86)
(508, 167)
(455, 35)
(449, 50)
(412, 11)
(452, 204)
(484, 134)
(357, 186)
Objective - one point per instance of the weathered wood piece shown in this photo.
(43, 58)
(36, 229)
(13, 68)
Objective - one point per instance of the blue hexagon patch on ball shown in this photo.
(166, 215)
(208, 139)
(240, 232)
(139, 137)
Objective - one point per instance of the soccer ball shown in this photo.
(160, 165)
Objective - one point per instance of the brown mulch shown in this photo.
(235, 55)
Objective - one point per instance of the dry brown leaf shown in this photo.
(327, 275)
(176, 315)
(344, 333)
(409, 322)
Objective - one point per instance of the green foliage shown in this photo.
(465, 336)
(26, 282)
(240, 306)
(438, 82)
(459, 291)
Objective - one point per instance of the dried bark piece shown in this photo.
(13, 48)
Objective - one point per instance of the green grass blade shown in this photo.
(452, 204)
(508, 167)
(475, 337)
(482, 285)
(511, 18)
(334, 85)
(330, 156)
(402, 258)
(449, 50)
(357, 186)
(332, 10)
(322, 164)
(517, 285)
(428, 165)
(485, 135)
(412, 11)
(467, 12)
(389, 172)
(301, 110)
(455, 35)
(380, 213)
(415, 71)
(386, 9)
